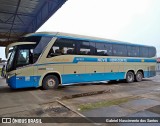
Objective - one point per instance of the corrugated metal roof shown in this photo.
(19, 17)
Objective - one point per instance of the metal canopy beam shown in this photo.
(19, 17)
(21, 14)
(44, 13)
(14, 18)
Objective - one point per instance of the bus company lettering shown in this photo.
(102, 60)
(80, 59)
(118, 60)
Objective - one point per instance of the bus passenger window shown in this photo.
(100, 49)
(108, 48)
(152, 52)
(54, 48)
(119, 50)
(144, 52)
(31, 56)
(133, 51)
(57, 51)
(92, 47)
(70, 51)
(62, 47)
(103, 49)
(85, 48)
(43, 42)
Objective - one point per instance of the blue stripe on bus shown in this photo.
(43, 35)
(91, 77)
(90, 59)
(68, 79)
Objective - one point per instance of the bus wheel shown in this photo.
(130, 77)
(139, 76)
(50, 82)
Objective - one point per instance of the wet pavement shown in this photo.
(112, 111)
(143, 100)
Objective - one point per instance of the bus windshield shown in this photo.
(23, 55)
(11, 59)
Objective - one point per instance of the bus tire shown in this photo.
(139, 76)
(130, 77)
(50, 82)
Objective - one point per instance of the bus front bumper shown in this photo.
(11, 81)
(15, 82)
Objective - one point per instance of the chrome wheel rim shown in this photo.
(139, 77)
(130, 77)
(51, 83)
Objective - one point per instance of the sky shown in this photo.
(135, 21)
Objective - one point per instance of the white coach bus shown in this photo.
(51, 59)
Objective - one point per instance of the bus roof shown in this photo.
(81, 37)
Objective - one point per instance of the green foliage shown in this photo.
(89, 106)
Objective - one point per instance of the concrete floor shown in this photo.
(43, 103)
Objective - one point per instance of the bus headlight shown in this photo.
(8, 76)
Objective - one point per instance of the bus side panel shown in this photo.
(150, 72)
(82, 69)
(91, 77)
(91, 71)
